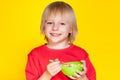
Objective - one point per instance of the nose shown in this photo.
(55, 27)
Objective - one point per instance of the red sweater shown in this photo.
(39, 57)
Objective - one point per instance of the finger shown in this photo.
(53, 65)
(84, 62)
(79, 72)
(51, 60)
(55, 70)
(58, 69)
(57, 59)
(84, 69)
(77, 75)
(72, 77)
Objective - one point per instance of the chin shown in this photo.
(57, 41)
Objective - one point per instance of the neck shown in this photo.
(58, 45)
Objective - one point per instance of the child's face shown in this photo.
(57, 29)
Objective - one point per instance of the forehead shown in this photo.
(58, 16)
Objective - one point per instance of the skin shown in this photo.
(56, 30)
(80, 75)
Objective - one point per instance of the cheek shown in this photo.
(47, 28)
(66, 30)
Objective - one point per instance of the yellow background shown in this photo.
(98, 24)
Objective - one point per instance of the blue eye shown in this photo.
(62, 23)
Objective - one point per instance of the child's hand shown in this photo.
(54, 67)
(80, 75)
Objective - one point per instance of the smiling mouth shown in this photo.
(55, 34)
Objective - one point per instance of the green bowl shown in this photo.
(69, 68)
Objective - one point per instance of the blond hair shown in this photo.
(65, 10)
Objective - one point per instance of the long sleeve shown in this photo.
(32, 67)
